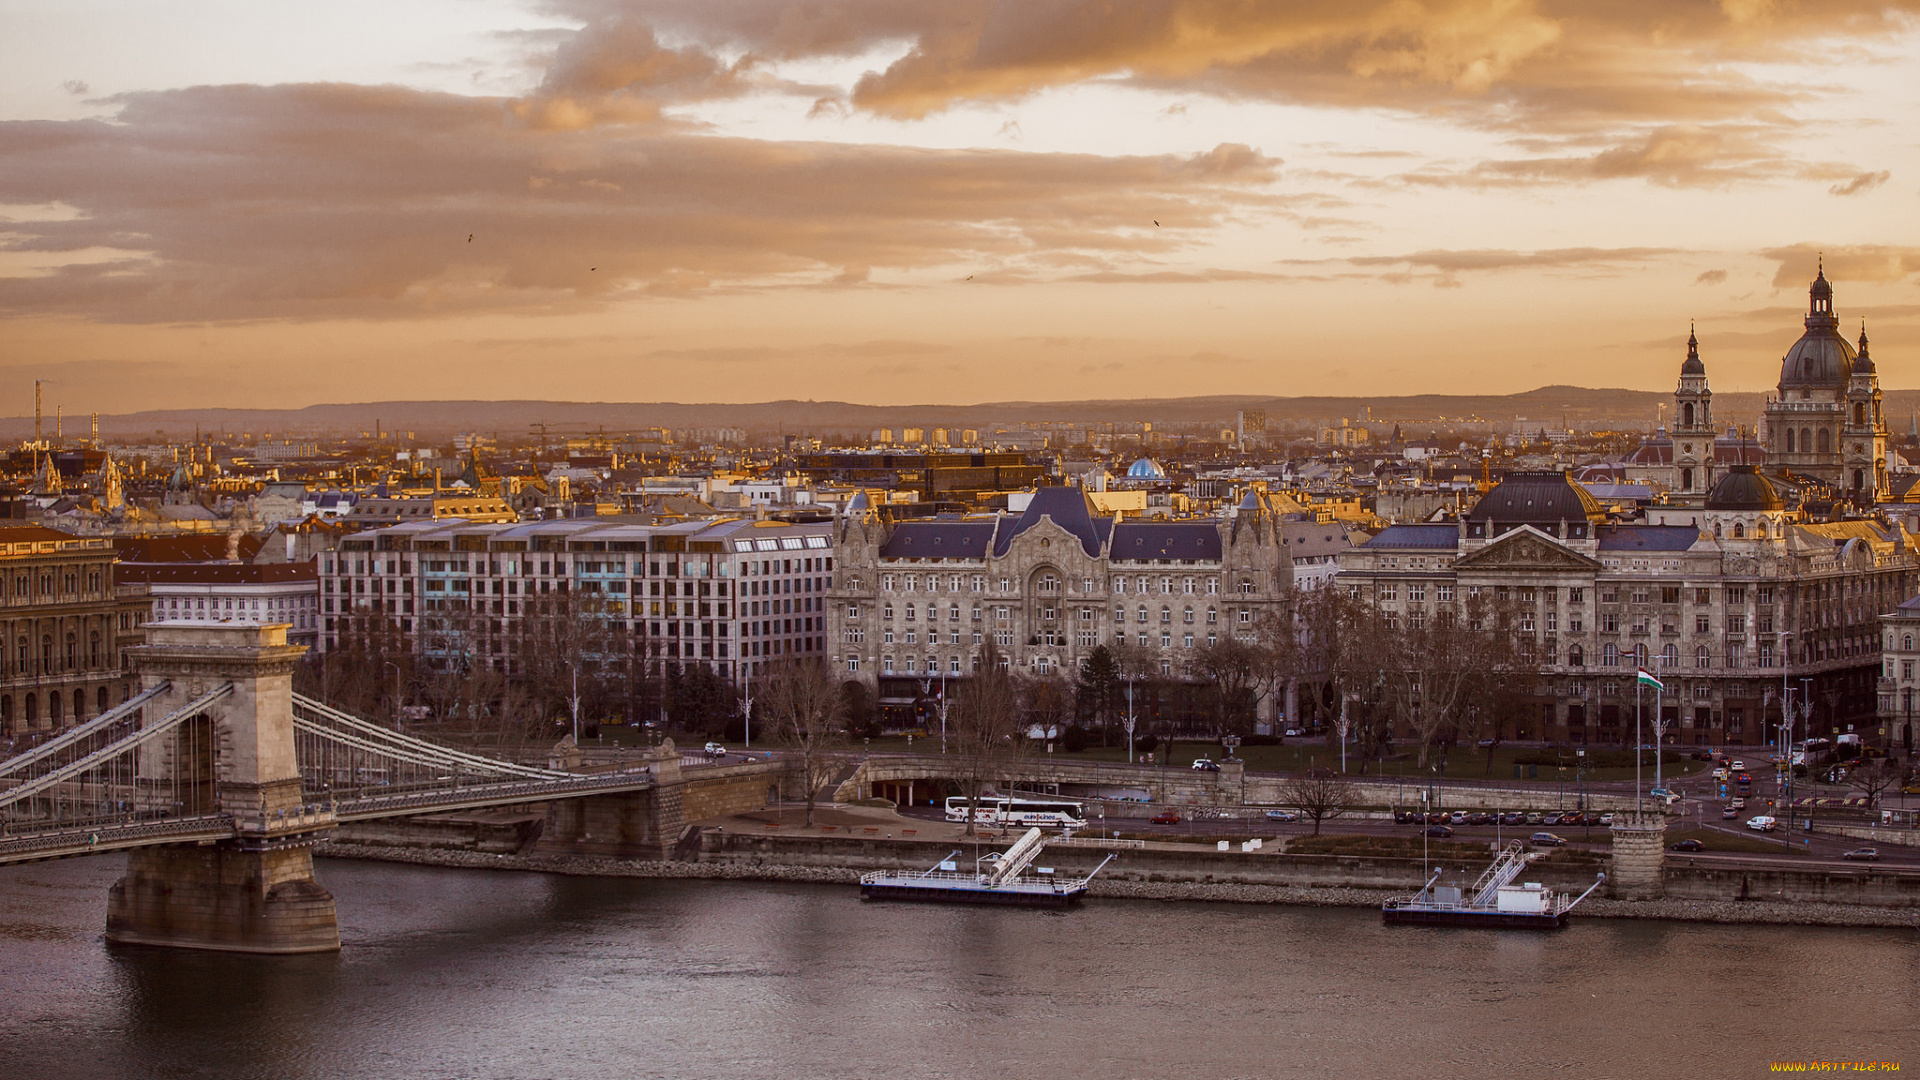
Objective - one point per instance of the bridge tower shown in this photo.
(256, 892)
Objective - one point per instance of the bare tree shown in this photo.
(1320, 795)
(803, 701)
(1874, 777)
(1235, 673)
(986, 729)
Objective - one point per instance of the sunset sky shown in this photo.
(273, 204)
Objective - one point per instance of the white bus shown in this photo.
(1019, 810)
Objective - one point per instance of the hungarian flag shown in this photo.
(1647, 679)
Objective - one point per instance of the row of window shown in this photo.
(1051, 584)
(41, 584)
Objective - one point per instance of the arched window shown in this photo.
(73, 651)
(46, 653)
(1806, 440)
(1789, 440)
(1670, 656)
(1686, 413)
(6, 712)
(1906, 641)
(1760, 530)
(1702, 658)
(1859, 413)
(1166, 616)
(33, 709)
(1716, 530)
(1186, 616)
(53, 707)
(93, 649)
(1739, 531)
(1576, 657)
(1859, 478)
(100, 700)
(1686, 479)
(1826, 441)
(79, 705)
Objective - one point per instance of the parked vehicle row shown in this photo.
(1509, 818)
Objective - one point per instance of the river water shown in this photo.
(450, 973)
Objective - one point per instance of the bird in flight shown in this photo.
(590, 269)
(1155, 225)
(969, 277)
(470, 236)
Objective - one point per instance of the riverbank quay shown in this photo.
(1140, 878)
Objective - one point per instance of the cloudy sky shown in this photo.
(266, 203)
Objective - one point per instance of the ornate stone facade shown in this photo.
(1826, 422)
(916, 602)
(1723, 608)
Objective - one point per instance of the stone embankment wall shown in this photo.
(1183, 786)
(448, 832)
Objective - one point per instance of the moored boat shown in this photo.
(997, 878)
(1493, 901)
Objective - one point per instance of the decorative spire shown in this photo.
(1692, 365)
(1862, 363)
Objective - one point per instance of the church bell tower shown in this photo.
(1692, 429)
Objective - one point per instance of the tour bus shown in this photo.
(1019, 810)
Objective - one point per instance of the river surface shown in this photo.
(452, 973)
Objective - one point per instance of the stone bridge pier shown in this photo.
(650, 824)
(254, 893)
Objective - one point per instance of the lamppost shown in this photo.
(397, 721)
(575, 701)
(1128, 724)
(746, 719)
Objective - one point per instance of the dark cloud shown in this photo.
(1711, 277)
(313, 201)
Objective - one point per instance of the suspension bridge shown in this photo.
(218, 779)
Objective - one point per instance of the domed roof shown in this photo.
(1821, 358)
(1537, 497)
(1862, 363)
(1692, 364)
(1744, 488)
(1146, 469)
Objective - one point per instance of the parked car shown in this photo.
(1436, 818)
(1533, 819)
(1688, 845)
(1550, 819)
(1546, 839)
(1282, 815)
(1606, 820)
(1479, 818)
(715, 749)
(1664, 795)
(1292, 732)
(1204, 765)
(1439, 830)
(1458, 817)
(1166, 817)
(1865, 854)
(1403, 817)
(1514, 818)
(1763, 823)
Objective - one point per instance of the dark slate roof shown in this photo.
(1069, 509)
(1744, 488)
(1910, 605)
(1647, 537)
(1536, 497)
(1426, 537)
(1165, 540)
(938, 540)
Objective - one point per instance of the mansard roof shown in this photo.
(1426, 537)
(939, 540)
(1165, 540)
(1067, 507)
(1647, 537)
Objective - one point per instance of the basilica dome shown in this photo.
(1821, 359)
(1146, 469)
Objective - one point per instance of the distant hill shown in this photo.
(435, 419)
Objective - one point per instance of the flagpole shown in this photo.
(1639, 694)
(1659, 735)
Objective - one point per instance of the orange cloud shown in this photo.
(312, 201)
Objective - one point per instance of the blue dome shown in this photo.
(1146, 469)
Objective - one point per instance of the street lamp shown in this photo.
(575, 701)
(396, 695)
